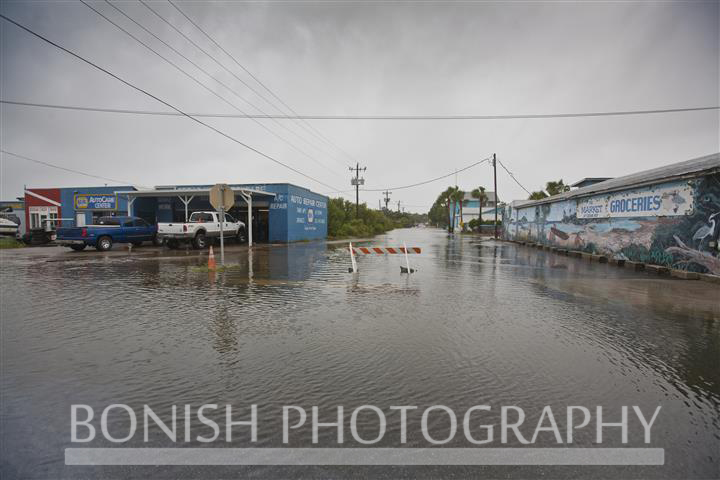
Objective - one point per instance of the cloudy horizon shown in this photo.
(360, 59)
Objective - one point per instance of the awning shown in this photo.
(186, 195)
(188, 192)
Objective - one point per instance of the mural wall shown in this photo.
(674, 224)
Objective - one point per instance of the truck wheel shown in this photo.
(200, 241)
(240, 237)
(104, 244)
(156, 241)
(78, 248)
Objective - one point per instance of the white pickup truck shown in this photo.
(200, 229)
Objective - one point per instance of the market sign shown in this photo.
(91, 201)
(648, 202)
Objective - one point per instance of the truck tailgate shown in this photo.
(170, 228)
(69, 232)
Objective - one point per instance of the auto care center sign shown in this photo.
(648, 202)
(91, 201)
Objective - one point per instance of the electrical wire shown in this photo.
(431, 180)
(158, 99)
(59, 167)
(359, 117)
(309, 126)
(221, 65)
(177, 52)
(513, 177)
(415, 184)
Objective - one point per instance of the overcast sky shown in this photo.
(361, 59)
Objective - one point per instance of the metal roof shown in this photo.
(667, 173)
(590, 179)
(185, 191)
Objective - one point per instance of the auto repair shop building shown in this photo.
(281, 212)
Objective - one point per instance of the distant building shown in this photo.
(471, 209)
(587, 181)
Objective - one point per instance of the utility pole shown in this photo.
(387, 198)
(496, 194)
(357, 181)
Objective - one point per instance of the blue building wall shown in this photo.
(69, 208)
(674, 224)
(295, 213)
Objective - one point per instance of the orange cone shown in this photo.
(211, 260)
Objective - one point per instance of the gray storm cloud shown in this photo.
(364, 59)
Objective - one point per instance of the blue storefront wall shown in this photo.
(295, 214)
(671, 224)
(69, 207)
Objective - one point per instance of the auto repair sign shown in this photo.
(647, 202)
(91, 201)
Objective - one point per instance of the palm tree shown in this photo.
(556, 188)
(539, 195)
(445, 199)
(479, 193)
(457, 196)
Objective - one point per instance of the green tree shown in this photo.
(447, 200)
(439, 213)
(556, 188)
(482, 197)
(457, 197)
(343, 221)
(539, 195)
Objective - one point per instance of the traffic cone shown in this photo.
(211, 260)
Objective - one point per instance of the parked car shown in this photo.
(201, 228)
(106, 232)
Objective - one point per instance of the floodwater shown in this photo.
(479, 323)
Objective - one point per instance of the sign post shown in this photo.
(222, 198)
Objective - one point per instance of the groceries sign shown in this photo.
(650, 202)
(91, 201)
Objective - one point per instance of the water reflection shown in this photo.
(479, 322)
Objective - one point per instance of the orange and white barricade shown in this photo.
(383, 251)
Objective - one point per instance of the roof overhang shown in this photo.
(186, 192)
(707, 165)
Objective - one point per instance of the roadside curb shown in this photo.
(658, 270)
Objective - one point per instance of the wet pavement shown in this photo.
(479, 323)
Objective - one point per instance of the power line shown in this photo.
(313, 129)
(167, 104)
(232, 105)
(358, 117)
(454, 172)
(47, 164)
(221, 65)
(429, 181)
(513, 177)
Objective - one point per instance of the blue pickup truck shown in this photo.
(106, 231)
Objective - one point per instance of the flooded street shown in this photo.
(479, 323)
